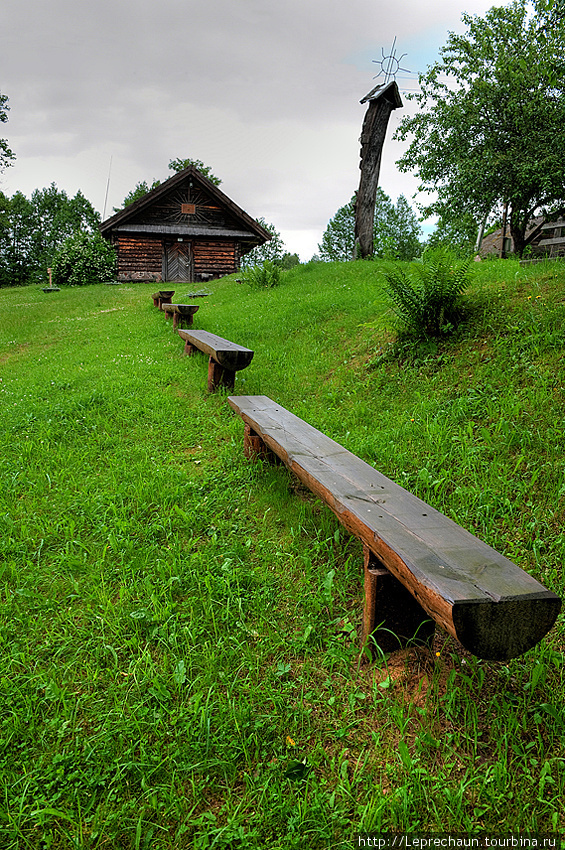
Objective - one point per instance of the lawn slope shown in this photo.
(180, 664)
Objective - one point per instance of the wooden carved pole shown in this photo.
(382, 100)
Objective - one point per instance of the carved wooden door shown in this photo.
(178, 261)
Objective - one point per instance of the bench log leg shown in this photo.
(155, 301)
(219, 376)
(253, 446)
(189, 349)
(164, 301)
(181, 321)
(392, 618)
(168, 315)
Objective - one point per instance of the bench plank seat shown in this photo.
(494, 608)
(163, 296)
(181, 313)
(226, 358)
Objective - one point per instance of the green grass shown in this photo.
(179, 655)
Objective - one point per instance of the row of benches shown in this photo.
(420, 567)
(182, 313)
(225, 357)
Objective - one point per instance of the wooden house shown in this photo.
(546, 240)
(493, 243)
(550, 240)
(186, 229)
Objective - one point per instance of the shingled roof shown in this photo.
(142, 216)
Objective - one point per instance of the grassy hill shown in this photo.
(180, 665)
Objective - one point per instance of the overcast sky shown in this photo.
(265, 92)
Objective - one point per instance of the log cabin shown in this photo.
(186, 229)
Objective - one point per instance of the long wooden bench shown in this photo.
(226, 358)
(418, 563)
(182, 314)
(163, 296)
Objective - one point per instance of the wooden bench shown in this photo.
(164, 296)
(226, 358)
(418, 563)
(182, 313)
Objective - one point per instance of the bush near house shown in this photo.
(84, 259)
(263, 276)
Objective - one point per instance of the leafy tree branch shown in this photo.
(490, 125)
(6, 155)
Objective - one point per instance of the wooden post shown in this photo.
(502, 252)
(382, 100)
(392, 618)
(480, 235)
(182, 320)
(219, 376)
(165, 297)
(253, 446)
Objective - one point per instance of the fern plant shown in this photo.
(426, 295)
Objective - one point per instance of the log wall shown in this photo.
(215, 258)
(139, 258)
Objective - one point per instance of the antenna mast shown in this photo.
(107, 188)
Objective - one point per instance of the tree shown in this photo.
(490, 125)
(176, 165)
(17, 226)
(141, 189)
(31, 231)
(58, 217)
(6, 155)
(404, 231)
(289, 261)
(180, 164)
(456, 234)
(338, 239)
(273, 250)
(396, 231)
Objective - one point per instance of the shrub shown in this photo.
(84, 259)
(288, 261)
(426, 295)
(264, 276)
(273, 249)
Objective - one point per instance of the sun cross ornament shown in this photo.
(390, 65)
(382, 99)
